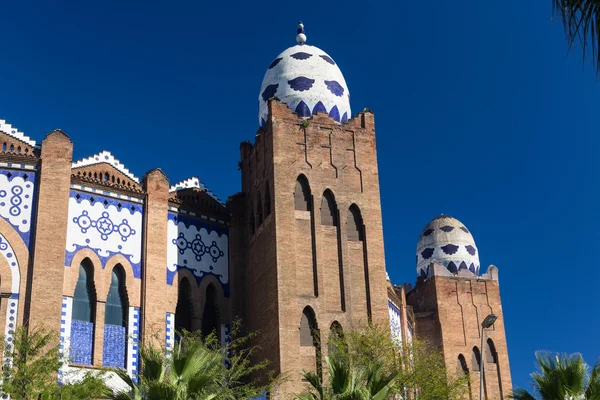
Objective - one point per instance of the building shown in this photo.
(108, 259)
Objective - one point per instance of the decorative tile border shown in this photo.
(19, 166)
(192, 214)
(107, 193)
(170, 332)
(134, 338)
(65, 335)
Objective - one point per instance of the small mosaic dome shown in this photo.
(307, 80)
(447, 241)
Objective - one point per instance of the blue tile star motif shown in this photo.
(105, 225)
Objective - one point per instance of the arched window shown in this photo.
(328, 209)
(463, 369)
(210, 317)
(84, 301)
(83, 315)
(302, 194)
(267, 200)
(354, 225)
(308, 325)
(116, 302)
(259, 210)
(491, 355)
(336, 339)
(476, 359)
(115, 321)
(462, 365)
(183, 311)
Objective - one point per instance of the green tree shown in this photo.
(32, 372)
(561, 377)
(367, 364)
(198, 368)
(581, 20)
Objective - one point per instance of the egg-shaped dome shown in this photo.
(447, 241)
(307, 80)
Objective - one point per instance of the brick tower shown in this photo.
(450, 301)
(308, 220)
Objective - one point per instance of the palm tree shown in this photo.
(348, 382)
(187, 373)
(581, 20)
(562, 377)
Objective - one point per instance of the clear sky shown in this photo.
(480, 114)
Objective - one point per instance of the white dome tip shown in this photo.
(301, 38)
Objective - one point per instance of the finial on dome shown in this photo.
(301, 38)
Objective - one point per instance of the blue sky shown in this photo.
(480, 112)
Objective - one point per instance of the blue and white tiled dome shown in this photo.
(447, 241)
(307, 80)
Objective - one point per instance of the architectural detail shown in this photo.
(193, 182)
(14, 132)
(197, 247)
(307, 80)
(105, 225)
(112, 262)
(447, 241)
(107, 158)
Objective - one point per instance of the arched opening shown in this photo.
(328, 209)
(336, 344)
(354, 225)
(116, 301)
(83, 315)
(183, 311)
(309, 337)
(115, 321)
(259, 210)
(302, 194)
(210, 317)
(267, 200)
(476, 359)
(463, 369)
(491, 356)
(308, 326)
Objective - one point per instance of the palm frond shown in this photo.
(520, 394)
(581, 21)
(593, 387)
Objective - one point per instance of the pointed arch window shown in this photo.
(115, 321)
(328, 209)
(336, 340)
(491, 355)
(302, 194)
(267, 200)
(354, 225)
(83, 315)
(183, 311)
(308, 325)
(116, 301)
(476, 359)
(84, 301)
(462, 365)
(210, 317)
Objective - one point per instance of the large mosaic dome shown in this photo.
(307, 80)
(447, 241)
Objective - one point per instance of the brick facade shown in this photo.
(298, 250)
